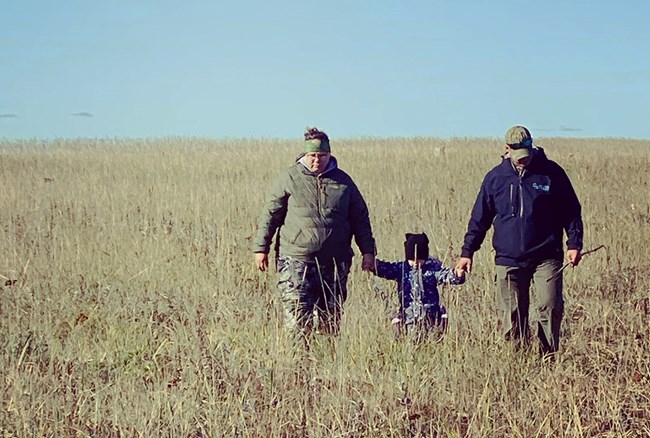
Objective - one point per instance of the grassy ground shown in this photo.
(130, 306)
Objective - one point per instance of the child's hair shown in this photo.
(416, 246)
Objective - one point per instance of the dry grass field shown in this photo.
(130, 305)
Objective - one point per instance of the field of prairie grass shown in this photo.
(130, 306)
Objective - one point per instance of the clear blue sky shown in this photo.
(438, 68)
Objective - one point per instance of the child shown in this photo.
(418, 277)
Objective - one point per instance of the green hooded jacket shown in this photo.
(317, 216)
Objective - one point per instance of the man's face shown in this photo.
(317, 161)
(520, 163)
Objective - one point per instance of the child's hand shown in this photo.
(460, 273)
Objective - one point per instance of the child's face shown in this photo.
(416, 263)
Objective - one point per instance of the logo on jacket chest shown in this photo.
(544, 188)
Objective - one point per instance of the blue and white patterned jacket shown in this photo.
(413, 283)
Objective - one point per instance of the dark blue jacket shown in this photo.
(529, 212)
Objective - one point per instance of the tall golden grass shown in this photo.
(130, 306)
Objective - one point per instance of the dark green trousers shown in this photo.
(514, 294)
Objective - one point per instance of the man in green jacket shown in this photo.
(316, 209)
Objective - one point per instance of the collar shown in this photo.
(331, 165)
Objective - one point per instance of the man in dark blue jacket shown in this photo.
(531, 203)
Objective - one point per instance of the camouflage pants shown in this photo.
(312, 295)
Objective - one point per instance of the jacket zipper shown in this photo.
(319, 188)
(319, 205)
(521, 197)
(521, 210)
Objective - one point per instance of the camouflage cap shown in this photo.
(317, 145)
(520, 142)
(316, 141)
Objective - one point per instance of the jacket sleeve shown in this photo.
(388, 270)
(446, 275)
(273, 214)
(360, 222)
(480, 221)
(572, 218)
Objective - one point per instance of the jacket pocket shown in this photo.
(336, 197)
(291, 236)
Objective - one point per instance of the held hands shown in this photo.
(463, 265)
(368, 262)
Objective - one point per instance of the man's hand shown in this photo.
(261, 261)
(463, 265)
(368, 262)
(573, 257)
